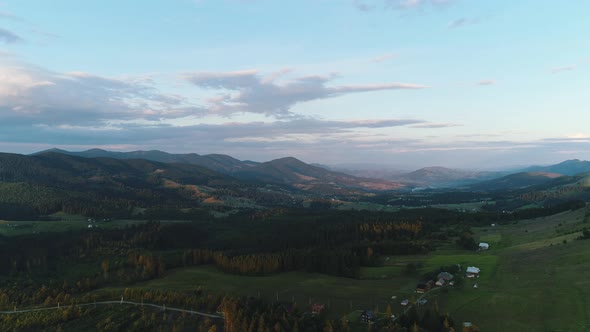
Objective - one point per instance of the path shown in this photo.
(161, 307)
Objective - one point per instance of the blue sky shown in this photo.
(402, 83)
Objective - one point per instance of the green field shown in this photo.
(538, 283)
(343, 295)
(530, 280)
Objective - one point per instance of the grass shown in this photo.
(537, 283)
(530, 280)
(342, 295)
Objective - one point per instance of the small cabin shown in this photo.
(472, 272)
(484, 246)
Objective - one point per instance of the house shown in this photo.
(368, 316)
(440, 282)
(472, 272)
(405, 302)
(446, 276)
(421, 288)
(317, 308)
(484, 246)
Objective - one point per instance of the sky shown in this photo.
(472, 84)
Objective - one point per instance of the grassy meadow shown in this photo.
(532, 279)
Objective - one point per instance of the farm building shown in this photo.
(440, 282)
(472, 272)
(446, 276)
(421, 288)
(484, 246)
(424, 287)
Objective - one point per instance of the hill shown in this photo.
(445, 177)
(515, 181)
(295, 173)
(288, 171)
(568, 167)
(217, 162)
(52, 182)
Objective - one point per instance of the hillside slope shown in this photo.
(295, 173)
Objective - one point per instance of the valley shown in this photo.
(191, 238)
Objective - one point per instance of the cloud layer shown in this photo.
(273, 95)
(9, 37)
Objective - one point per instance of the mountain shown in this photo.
(568, 167)
(53, 182)
(516, 181)
(442, 176)
(365, 171)
(295, 173)
(286, 171)
(217, 162)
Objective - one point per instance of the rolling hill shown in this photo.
(446, 177)
(515, 181)
(52, 182)
(568, 167)
(288, 171)
(217, 162)
(295, 173)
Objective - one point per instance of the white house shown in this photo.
(472, 272)
(484, 246)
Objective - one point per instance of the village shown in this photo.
(450, 277)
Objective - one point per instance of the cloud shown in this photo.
(436, 125)
(486, 82)
(383, 57)
(32, 95)
(558, 70)
(415, 4)
(370, 5)
(9, 16)
(250, 92)
(9, 37)
(363, 6)
(461, 22)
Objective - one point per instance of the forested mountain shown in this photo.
(52, 182)
(442, 176)
(293, 172)
(568, 167)
(515, 181)
(217, 162)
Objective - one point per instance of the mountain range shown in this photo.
(322, 179)
(287, 171)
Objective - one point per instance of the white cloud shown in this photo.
(558, 70)
(383, 57)
(248, 91)
(36, 96)
(461, 22)
(486, 82)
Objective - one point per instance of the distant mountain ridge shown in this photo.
(294, 172)
(516, 181)
(217, 162)
(326, 179)
(287, 171)
(568, 167)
